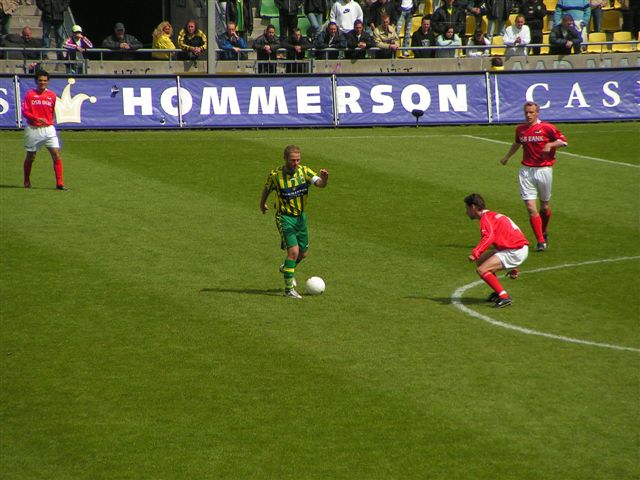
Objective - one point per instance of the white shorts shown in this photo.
(534, 181)
(512, 258)
(36, 137)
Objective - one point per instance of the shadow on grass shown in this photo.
(447, 300)
(245, 291)
(21, 187)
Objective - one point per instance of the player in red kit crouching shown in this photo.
(38, 109)
(510, 247)
(539, 141)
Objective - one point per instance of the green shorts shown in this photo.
(293, 231)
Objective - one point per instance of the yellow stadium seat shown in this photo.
(611, 20)
(511, 20)
(548, 23)
(551, 5)
(471, 25)
(597, 37)
(497, 40)
(416, 22)
(545, 40)
(622, 47)
(428, 7)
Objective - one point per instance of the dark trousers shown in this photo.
(288, 21)
(536, 37)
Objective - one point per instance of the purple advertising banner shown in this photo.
(568, 96)
(390, 100)
(8, 114)
(257, 101)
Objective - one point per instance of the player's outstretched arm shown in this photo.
(513, 149)
(324, 178)
(263, 200)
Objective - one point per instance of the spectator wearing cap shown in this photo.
(76, 45)
(121, 42)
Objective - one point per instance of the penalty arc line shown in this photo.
(457, 302)
(595, 159)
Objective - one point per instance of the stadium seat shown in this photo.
(428, 7)
(545, 40)
(268, 9)
(416, 22)
(511, 20)
(471, 25)
(611, 20)
(622, 47)
(597, 37)
(497, 40)
(547, 24)
(551, 5)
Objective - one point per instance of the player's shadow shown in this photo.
(447, 300)
(21, 187)
(244, 291)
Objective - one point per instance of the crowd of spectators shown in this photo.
(340, 28)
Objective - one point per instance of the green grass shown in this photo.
(144, 334)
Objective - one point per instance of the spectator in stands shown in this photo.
(477, 8)
(122, 43)
(53, 19)
(76, 45)
(297, 45)
(359, 41)
(7, 9)
(241, 13)
(24, 40)
(630, 16)
(535, 16)
(386, 39)
(448, 39)
(596, 13)
(267, 45)
(331, 37)
(497, 64)
(449, 15)
(424, 37)
(316, 11)
(344, 13)
(406, 9)
(288, 17)
(580, 11)
(565, 37)
(222, 10)
(478, 40)
(497, 13)
(231, 44)
(162, 40)
(193, 41)
(517, 37)
(379, 9)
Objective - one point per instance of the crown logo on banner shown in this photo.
(68, 108)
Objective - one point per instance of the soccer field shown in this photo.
(144, 333)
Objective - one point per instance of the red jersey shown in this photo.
(39, 105)
(533, 139)
(498, 230)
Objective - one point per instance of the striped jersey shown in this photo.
(291, 189)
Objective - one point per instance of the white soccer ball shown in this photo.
(314, 286)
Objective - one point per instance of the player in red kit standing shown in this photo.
(509, 247)
(38, 109)
(539, 141)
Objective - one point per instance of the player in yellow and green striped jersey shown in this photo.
(291, 183)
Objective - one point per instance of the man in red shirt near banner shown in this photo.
(38, 109)
(539, 141)
(509, 247)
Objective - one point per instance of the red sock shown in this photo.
(545, 215)
(26, 168)
(57, 169)
(536, 224)
(494, 283)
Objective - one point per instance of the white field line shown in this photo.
(457, 302)
(595, 159)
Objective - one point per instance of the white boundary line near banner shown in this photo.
(501, 142)
(457, 302)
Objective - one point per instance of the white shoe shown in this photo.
(292, 294)
(295, 284)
